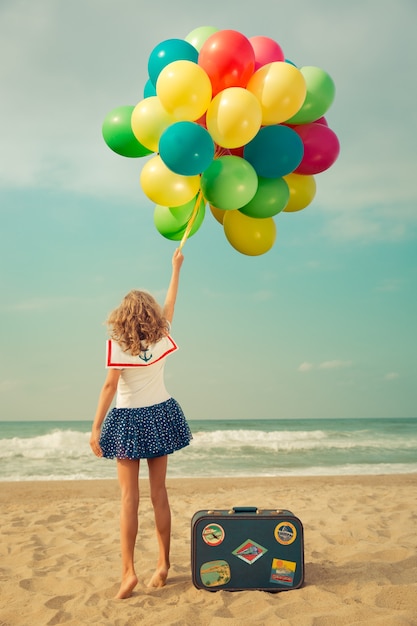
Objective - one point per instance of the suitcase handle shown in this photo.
(244, 509)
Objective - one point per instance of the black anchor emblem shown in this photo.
(144, 357)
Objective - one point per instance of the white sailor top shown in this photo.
(141, 382)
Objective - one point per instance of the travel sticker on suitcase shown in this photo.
(249, 551)
(215, 573)
(283, 572)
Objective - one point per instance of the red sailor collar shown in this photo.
(115, 357)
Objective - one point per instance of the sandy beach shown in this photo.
(60, 562)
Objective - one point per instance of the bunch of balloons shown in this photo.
(232, 124)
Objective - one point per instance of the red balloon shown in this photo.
(202, 121)
(237, 151)
(321, 148)
(228, 59)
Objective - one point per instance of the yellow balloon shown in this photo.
(163, 186)
(281, 90)
(302, 191)
(217, 213)
(249, 235)
(184, 90)
(233, 117)
(149, 120)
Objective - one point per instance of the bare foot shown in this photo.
(127, 586)
(159, 578)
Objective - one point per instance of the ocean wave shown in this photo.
(72, 443)
(298, 440)
(178, 471)
(55, 453)
(75, 444)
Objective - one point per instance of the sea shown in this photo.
(32, 451)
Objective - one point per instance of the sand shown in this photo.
(59, 554)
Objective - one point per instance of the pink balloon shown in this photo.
(321, 148)
(266, 51)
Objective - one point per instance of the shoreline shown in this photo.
(74, 487)
(60, 562)
(238, 477)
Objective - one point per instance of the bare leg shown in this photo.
(128, 473)
(162, 511)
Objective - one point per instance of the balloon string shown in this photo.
(219, 151)
(192, 219)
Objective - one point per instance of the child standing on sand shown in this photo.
(146, 423)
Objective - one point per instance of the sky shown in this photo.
(322, 325)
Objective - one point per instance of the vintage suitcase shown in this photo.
(247, 548)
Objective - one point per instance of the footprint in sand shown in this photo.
(57, 601)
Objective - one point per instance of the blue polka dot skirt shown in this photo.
(146, 432)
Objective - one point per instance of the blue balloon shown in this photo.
(167, 52)
(186, 148)
(149, 90)
(275, 151)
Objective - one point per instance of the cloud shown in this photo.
(8, 385)
(391, 284)
(314, 265)
(38, 304)
(305, 367)
(372, 224)
(42, 304)
(324, 365)
(391, 376)
(334, 365)
(263, 295)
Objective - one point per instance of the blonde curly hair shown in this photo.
(137, 322)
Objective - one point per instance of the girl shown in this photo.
(146, 423)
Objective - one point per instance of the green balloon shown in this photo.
(196, 225)
(199, 36)
(229, 182)
(270, 198)
(320, 95)
(171, 222)
(118, 135)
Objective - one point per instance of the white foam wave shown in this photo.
(277, 441)
(64, 454)
(73, 444)
(380, 469)
(177, 471)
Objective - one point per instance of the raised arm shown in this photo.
(171, 296)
